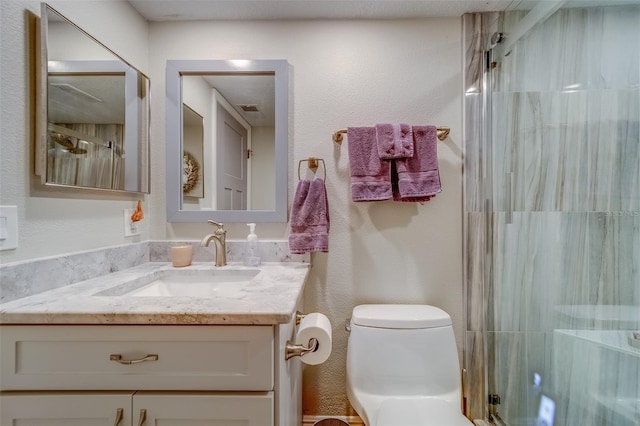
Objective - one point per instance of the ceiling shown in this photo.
(254, 90)
(186, 10)
(190, 10)
(86, 98)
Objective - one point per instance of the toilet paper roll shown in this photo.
(318, 326)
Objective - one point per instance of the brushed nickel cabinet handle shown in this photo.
(118, 358)
(143, 417)
(119, 416)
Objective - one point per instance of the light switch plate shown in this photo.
(8, 227)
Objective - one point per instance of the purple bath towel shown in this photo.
(394, 141)
(370, 179)
(418, 178)
(309, 218)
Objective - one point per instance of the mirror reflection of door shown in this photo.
(232, 162)
(238, 115)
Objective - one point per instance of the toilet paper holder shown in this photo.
(291, 349)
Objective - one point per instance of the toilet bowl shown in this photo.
(403, 368)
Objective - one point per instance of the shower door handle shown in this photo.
(508, 183)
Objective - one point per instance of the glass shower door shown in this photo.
(562, 271)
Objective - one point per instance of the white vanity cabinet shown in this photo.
(147, 375)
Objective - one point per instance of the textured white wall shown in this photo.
(54, 222)
(346, 73)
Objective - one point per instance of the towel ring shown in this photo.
(313, 166)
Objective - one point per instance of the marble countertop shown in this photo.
(270, 297)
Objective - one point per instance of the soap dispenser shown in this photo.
(252, 251)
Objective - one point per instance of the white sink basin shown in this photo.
(200, 284)
(209, 285)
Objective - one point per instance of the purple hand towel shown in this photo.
(418, 178)
(309, 218)
(370, 180)
(394, 141)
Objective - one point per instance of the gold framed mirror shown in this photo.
(93, 112)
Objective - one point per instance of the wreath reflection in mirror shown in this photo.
(190, 172)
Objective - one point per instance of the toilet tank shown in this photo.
(403, 350)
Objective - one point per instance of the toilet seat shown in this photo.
(420, 412)
(400, 316)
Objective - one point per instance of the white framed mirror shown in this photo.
(243, 127)
(93, 112)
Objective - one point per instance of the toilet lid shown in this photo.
(420, 412)
(400, 316)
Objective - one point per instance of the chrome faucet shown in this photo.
(219, 237)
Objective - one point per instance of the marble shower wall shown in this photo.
(566, 151)
(554, 273)
(565, 114)
(545, 263)
(552, 201)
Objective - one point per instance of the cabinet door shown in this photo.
(65, 409)
(203, 409)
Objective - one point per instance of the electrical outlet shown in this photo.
(130, 228)
(8, 227)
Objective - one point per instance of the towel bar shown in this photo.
(443, 132)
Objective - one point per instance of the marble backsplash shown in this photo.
(22, 279)
(270, 251)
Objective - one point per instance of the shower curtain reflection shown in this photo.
(86, 155)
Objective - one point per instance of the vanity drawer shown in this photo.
(74, 357)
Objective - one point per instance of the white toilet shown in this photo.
(402, 367)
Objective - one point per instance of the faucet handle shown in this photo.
(220, 230)
(213, 222)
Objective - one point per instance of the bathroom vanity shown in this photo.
(102, 352)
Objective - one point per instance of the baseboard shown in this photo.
(352, 420)
(357, 421)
